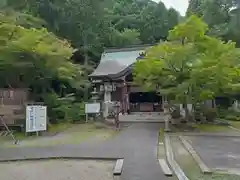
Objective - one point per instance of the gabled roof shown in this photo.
(116, 61)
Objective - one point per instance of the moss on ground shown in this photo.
(212, 128)
(69, 134)
(190, 167)
(235, 124)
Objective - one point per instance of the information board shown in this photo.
(36, 118)
(92, 108)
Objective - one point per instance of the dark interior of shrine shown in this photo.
(145, 102)
(144, 97)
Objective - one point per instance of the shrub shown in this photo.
(229, 114)
(63, 109)
(232, 118)
(210, 114)
(76, 112)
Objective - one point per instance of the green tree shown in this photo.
(152, 19)
(38, 60)
(77, 19)
(191, 66)
(125, 38)
(196, 7)
(222, 17)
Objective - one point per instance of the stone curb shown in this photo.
(59, 157)
(227, 171)
(142, 121)
(170, 158)
(195, 156)
(209, 134)
(165, 168)
(236, 129)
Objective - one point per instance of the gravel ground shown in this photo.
(57, 170)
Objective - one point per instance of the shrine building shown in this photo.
(113, 78)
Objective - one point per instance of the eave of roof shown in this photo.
(108, 67)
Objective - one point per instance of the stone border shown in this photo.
(170, 158)
(59, 158)
(237, 134)
(165, 168)
(118, 167)
(227, 171)
(195, 156)
(233, 128)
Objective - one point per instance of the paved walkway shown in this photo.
(137, 145)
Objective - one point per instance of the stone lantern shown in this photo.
(116, 107)
(95, 95)
(166, 116)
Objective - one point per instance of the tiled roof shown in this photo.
(114, 61)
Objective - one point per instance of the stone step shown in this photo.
(118, 167)
(138, 118)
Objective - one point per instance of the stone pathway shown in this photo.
(137, 145)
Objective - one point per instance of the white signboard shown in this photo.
(36, 118)
(92, 108)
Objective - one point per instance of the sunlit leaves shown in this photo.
(191, 65)
(33, 54)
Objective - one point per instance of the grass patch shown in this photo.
(235, 124)
(161, 135)
(211, 128)
(52, 129)
(191, 168)
(161, 148)
(57, 128)
(69, 134)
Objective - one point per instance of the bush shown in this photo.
(229, 114)
(232, 118)
(76, 112)
(210, 114)
(63, 109)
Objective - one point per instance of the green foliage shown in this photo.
(228, 114)
(196, 7)
(125, 38)
(210, 114)
(191, 66)
(64, 109)
(33, 53)
(30, 55)
(36, 59)
(232, 118)
(97, 21)
(222, 16)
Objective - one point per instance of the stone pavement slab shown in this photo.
(137, 145)
(218, 152)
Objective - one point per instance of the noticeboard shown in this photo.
(36, 118)
(92, 108)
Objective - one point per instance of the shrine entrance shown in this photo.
(145, 102)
